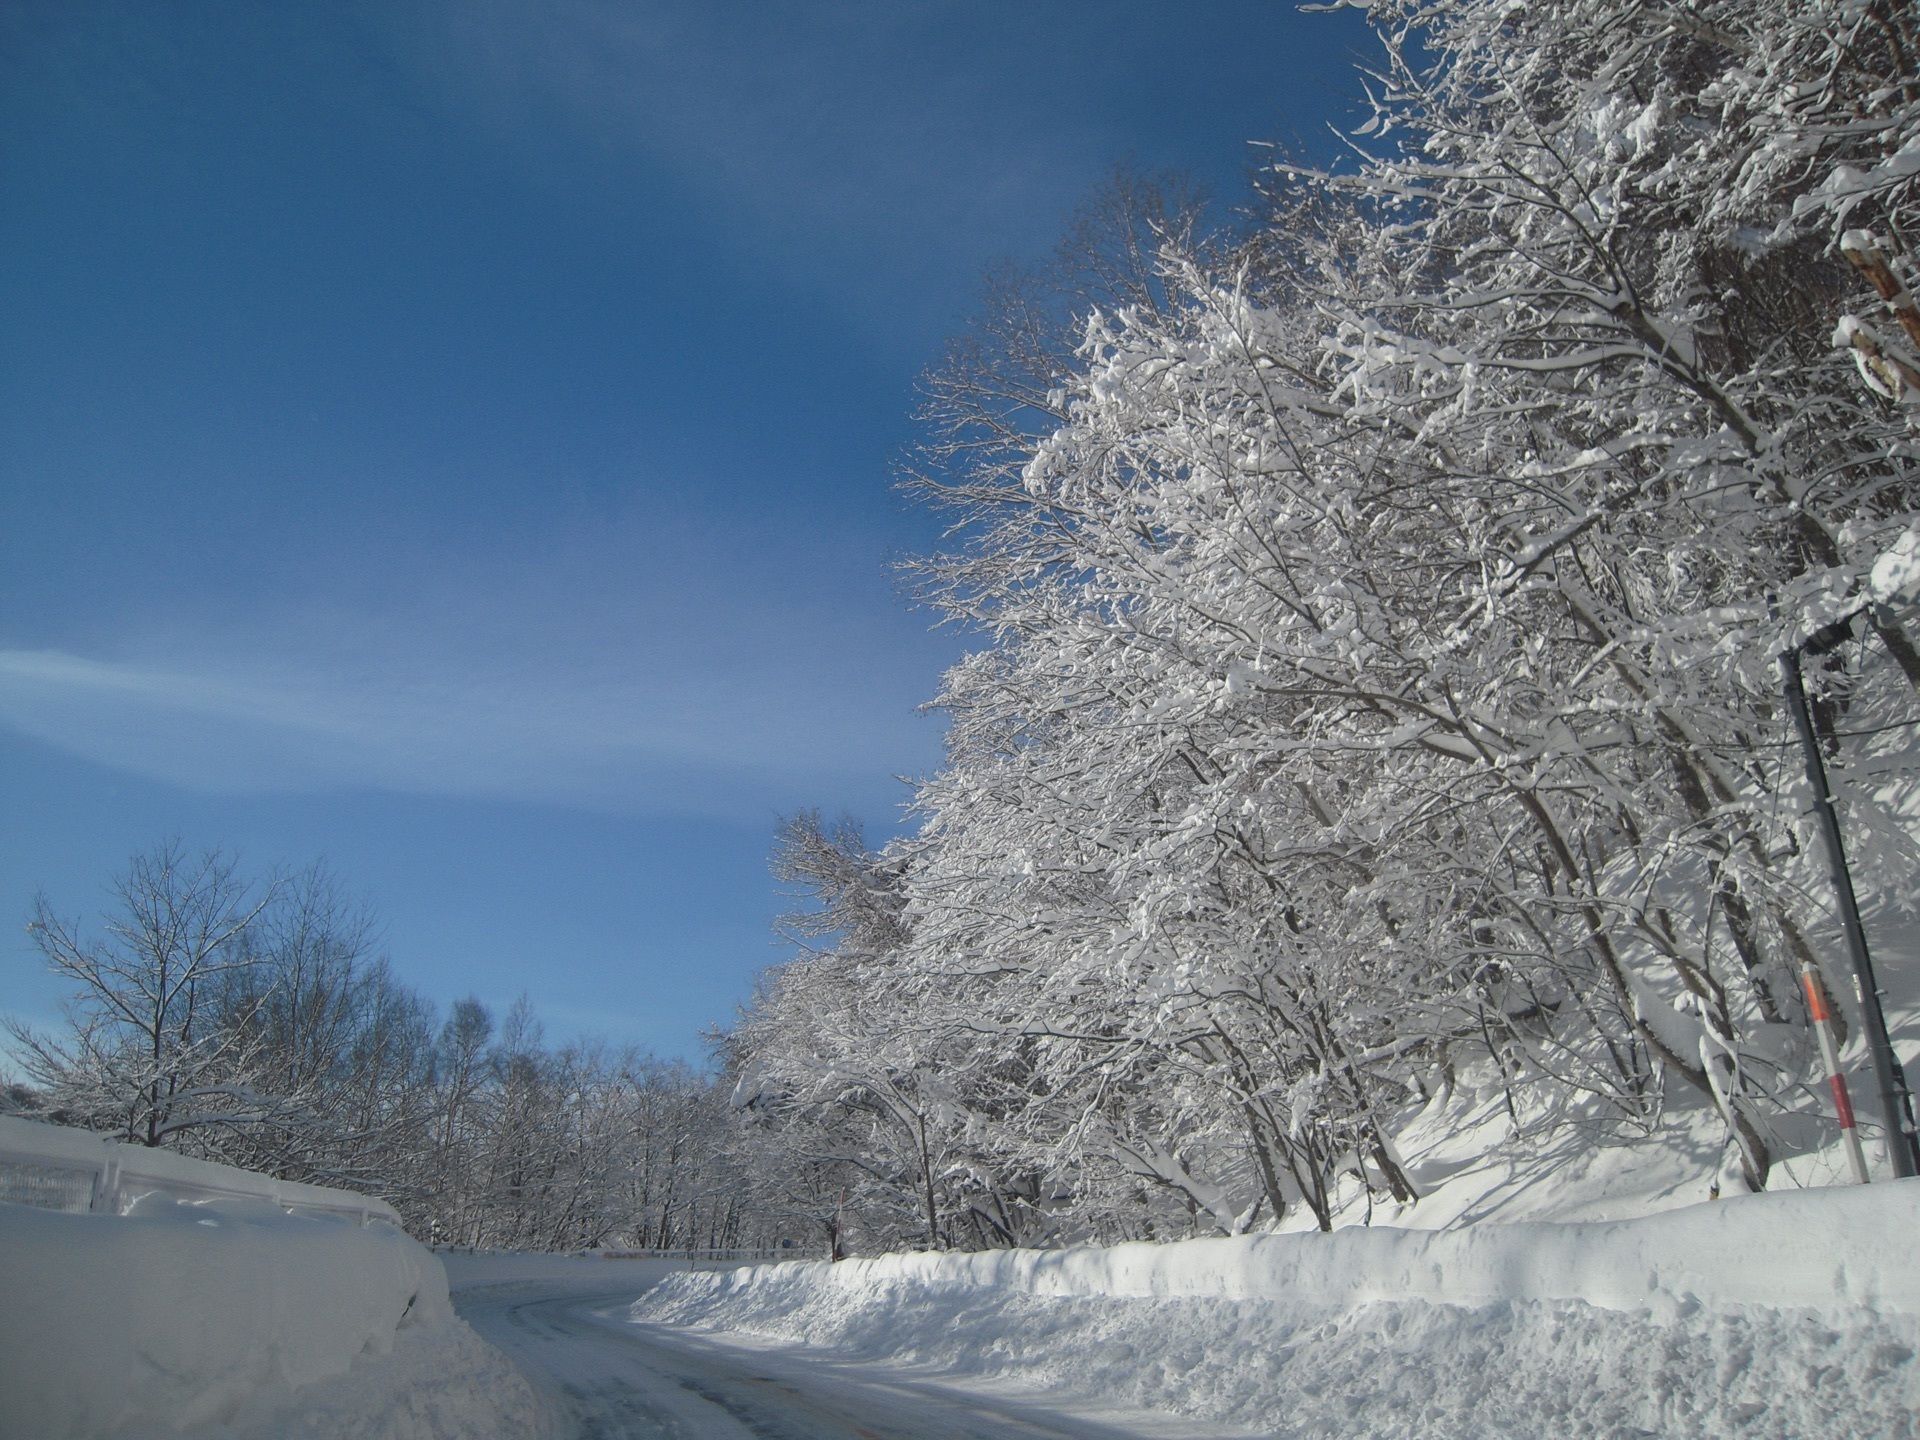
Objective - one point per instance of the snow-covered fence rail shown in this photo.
(696, 1258)
(52, 1167)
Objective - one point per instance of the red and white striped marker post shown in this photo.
(1821, 1013)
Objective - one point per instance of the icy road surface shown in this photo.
(606, 1378)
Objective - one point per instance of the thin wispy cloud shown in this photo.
(669, 746)
(649, 691)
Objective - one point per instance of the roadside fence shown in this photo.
(696, 1258)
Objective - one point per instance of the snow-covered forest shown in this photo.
(254, 1022)
(1382, 600)
(1379, 597)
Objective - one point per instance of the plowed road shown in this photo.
(605, 1378)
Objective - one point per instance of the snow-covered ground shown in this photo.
(1779, 1315)
(233, 1320)
(1789, 1314)
(1552, 1280)
(1541, 1286)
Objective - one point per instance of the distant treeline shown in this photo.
(253, 1023)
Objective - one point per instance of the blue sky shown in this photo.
(453, 438)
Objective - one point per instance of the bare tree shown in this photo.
(144, 1056)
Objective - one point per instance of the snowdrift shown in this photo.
(235, 1318)
(1788, 1315)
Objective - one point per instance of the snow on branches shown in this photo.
(1381, 612)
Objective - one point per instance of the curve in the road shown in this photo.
(607, 1378)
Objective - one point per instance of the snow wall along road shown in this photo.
(1785, 1316)
(144, 1292)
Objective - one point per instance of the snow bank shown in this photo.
(439, 1382)
(1783, 1315)
(1824, 1249)
(232, 1317)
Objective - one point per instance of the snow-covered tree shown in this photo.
(144, 1056)
(1380, 609)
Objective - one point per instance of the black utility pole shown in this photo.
(1896, 1103)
